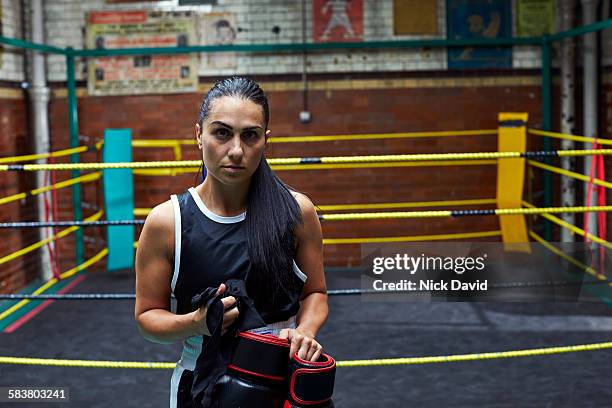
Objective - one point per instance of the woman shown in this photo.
(242, 222)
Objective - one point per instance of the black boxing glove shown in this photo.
(311, 383)
(256, 376)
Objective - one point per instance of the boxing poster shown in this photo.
(141, 74)
(535, 17)
(412, 17)
(479, 19)
(337, 20)
(219, 29)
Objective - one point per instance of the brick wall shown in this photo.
(11, 68)
(13, 141)
(335, 111)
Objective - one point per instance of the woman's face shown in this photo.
(232, 139)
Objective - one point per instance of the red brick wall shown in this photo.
(16, 273)
(334, 112)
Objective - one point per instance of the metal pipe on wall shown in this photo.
(568, 111)
(589, 66)
(305, 115)
(39, 96)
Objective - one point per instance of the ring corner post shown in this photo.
(118, 191)
(73, 124)
(512, 137)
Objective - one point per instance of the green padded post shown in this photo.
(73, 124)
(119, 198)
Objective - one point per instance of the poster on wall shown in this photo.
(535, 17)
(219, 29)
(141, 74)
(415, 17)
(479, 19)
(337, 20)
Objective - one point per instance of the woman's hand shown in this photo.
(302, 342)
(230, 314)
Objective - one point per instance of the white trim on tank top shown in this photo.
(211, 215)
(177, 240)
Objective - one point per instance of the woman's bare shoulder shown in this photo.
(310, 228)
(161, 217)
(306, 205)
(158, 230)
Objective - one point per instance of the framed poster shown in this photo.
(219, 29)
(141, 74)
(415, 17)
(479, 19)
(535, 17)
(337, 20)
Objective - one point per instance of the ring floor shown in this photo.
(356, 329)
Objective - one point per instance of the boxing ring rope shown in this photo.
(571, 227)
(173, 143)
(37, 156)
(282, 167)
(57, 186)
(306, 161)
(566, 136)
(45, 241)
(346, 363)
(586, 268)
(51, 282)
(375, 206)
(571, 174)
(345, 216)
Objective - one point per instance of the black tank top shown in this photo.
(212, 249)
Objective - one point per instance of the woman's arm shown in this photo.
(154, 257)
(313, 310)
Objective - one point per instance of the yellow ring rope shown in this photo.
(571, 227)
(30, 157)
(448, 213)
(45, 241)
(324, 138)
(303, 161)
(62, 184)
(285, 167)
(374, 206)
(412, 238)
(568, 173)
(586, 268)
(345, 363)
(474, 356)
(298, 139)
(100, 255)
(565, 136)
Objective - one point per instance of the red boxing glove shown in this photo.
(311, 383)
